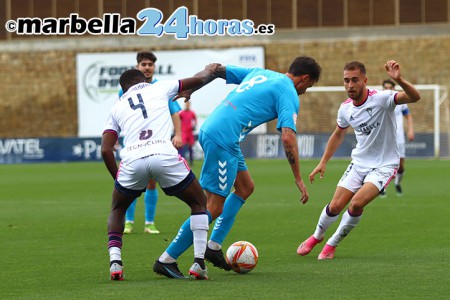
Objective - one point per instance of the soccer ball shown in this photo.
(242, 256)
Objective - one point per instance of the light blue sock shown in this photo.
(225, 221)
(129, 216)
(150, 198)
(184, 239)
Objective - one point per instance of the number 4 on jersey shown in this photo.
(138, 106)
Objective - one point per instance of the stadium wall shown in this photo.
(39, 81)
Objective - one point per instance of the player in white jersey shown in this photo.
(142, 115)
(401, 112)
(375, 158)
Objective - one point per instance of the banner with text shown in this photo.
(98, 80)
(264, 146)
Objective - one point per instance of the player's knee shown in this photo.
(356, 208)
(245, 191)
(151, 185)
(215, 211)
(334, 208)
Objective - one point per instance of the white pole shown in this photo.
(436, 123)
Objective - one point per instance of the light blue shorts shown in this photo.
(219, 167)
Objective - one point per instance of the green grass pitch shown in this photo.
(53, 238)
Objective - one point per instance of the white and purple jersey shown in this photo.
(375, 128)
(401, 111)
(142, 116)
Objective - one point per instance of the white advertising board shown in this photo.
(98, 80)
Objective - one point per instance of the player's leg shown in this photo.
(123, 195)
(399, 177)
(373, 182)
(199, 224)
(349, 183)
(350, 218)
(129, 217)
(150, 199)
(176, 179)
(115, 229)
(191, 142)
(329, 215)
(243, 189)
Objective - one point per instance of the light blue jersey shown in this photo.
(262, 96)
(174, 107)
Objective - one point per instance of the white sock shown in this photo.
(324, 222)
(149, 223)
(214, 246)
(199, 227)
(398, 178)
(347, 224)
(114, 253)
(166, 258)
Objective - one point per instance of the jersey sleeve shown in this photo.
(288, 107)
(174, 107)
(169, 87)
(341, 119)
(111, 124)
(120, 93)
(236, 74)
(405, 110)
(387, 99)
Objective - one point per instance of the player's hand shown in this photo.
(319, 169)
(410, 135)
(184, 94)
(301, 186)
(393, 69)
(177, 142)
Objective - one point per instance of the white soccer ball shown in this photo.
(242, 256)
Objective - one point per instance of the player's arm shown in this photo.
(202, 78)
(289, 139)
(335, 140)
(177, 141)
(409, 122)
(410, 94)
(109, 139)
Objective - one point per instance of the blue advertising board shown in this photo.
(28, 150)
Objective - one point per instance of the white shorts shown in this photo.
(355, 176)
(401, 150)
(170, 171)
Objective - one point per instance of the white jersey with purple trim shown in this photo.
(142, 116)
(401, 111)
(375, 129)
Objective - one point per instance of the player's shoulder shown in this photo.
(347, 102)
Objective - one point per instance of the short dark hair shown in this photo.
(304, 65)
(130, 78)
(145, 55)
(389, 82)
(355, 65)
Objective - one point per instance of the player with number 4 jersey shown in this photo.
(261, 96)
(142, 115)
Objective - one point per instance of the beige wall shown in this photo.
(39, 98)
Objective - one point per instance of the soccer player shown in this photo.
(142, 114)
(261, 96)
(401, 111)
(375, 158)
(188, 124)
(146, 62)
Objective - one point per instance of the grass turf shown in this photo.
(54, 241)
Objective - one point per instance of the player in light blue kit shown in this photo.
(262, 96)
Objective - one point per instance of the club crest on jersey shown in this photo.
(369, 111)
(145, 134)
